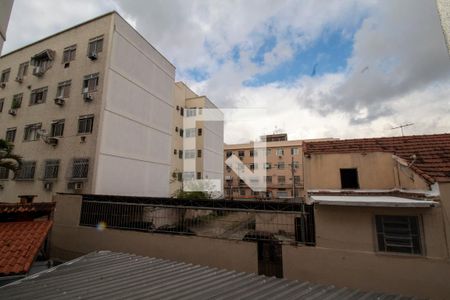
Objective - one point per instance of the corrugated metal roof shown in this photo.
(110, 275)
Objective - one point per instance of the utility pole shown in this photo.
(402, 126)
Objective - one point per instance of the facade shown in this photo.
(197, 141)
(90, 111)
(5, 12)
(443, 7)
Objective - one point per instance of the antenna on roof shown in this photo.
(402, 126)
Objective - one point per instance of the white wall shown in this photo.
(135, 139)
(5, 12)
(213, 150)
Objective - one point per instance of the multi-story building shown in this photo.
(5, 12)
(90, 110)
(284, 168)
(197, 141)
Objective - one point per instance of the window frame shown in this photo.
(71, 51)
(36, 135)
(80, 163)
(41, 92)
(53, 127)
(8, 130)
(91, 125)
(98, 40)
(52, 165)
(32, 165)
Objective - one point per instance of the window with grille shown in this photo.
(17, 101)
(280, 152)
(38, 96)
(69, 54)
(90, 83)
(63, 90)
(85, 124)
(26, 171)
(280, 165)
(51, 169)
(31, 132)
(10, 135)
(296, 164)
(199, 153)
(297, 179)
(398, 234)
(4, 173)
(95, 45)
(80, 168)
(57, 128)
(23, 70)
(294, 151)
(281, 179)
(5, 75)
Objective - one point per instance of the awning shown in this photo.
(46, 54)
(370, 201)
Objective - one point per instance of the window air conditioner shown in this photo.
(93, 55)
(59, 101)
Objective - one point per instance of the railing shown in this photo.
(249, 220)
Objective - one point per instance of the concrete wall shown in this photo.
(134, 152)
(5, 12)
(444, 14)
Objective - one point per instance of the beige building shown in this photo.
(5, 12)
(90, 110)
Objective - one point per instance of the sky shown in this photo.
(312, 68)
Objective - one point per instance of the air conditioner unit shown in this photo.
(88, 97)
(48, 186)
(77, 186)
(2, 85)
(38, 71)
(12, 111)
(59, 101)
(52, 141)
(19, 79)
(93, 55)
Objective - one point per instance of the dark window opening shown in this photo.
(349, 179)
(305, 232)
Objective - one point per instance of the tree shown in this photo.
(9, 160)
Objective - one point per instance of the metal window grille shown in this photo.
(85, 124)
(57, 128)
(51, 169)
(398, 234)
(38, 96)
(95, 45)
(10, 135)
(80, 168)
(281, 179)
(27, 170)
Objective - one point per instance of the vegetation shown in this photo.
(9, 160)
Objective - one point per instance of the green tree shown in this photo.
(8, 159)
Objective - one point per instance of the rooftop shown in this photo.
(427, 155)
(107, 275)
(19, 245)
(18, 211)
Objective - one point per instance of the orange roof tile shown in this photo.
(432, 152)
(19, 245)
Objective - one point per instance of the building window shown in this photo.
(181, 111)
(17, 101)
(296, 164)
(85, 124)
(280, 165)
(63, 90)
(241, 153)
(229, 153)
(199, 132)
(294, 151)
(90, 83)
(57, 128)
(281, 179)
(199, 175)
(297, 179)
(4, 173)
(69, 54)
(38, 96)
(189, 154)
(180, 153)
(191, 112)
(268, 179)
(23, 70)
(267, 166)
(305, 232)
(268, 151)
(398, 234)
(199, 153)
(252, 153)
(174, 151)
(188, 175)
(242, 192)
(51, 169)
(26, 171)
(5, 75)
(31, 132)
(95, 45)
(2, 101)
(349, 178)
(10, 135)
(189, 132)
(180, 176)
(280, 152)
(80, 168)
(252, 166)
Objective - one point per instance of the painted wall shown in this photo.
(134, 152)
(5, 12)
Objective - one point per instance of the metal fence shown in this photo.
(238, 220)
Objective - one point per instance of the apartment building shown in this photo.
(197, 141)
(5, 12)
(283, 166)
(90, 110)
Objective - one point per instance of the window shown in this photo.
(242, 192)
(26, 171)
(57, 128)
(69, 54)
(241, 153)
(85, 124)
(268, 151)
(229, 153)
(252, 153)
(297, 179)
(63, 90)
(188, 175)
(31, 132)
(51, 169)
(305, 232)
(199, 175)
(398, 234)
(5, 75)
(181, 132)
(296, 164)
(252, 166)
(280, 152)
(180, 153)
(281, 179)
(189, 132)
(181, 111)
(95, 45)
(180, 176)
(199, 153)
(2, 101)
(191, 112)
(4, 173)
(174, 151)
(280, 165)
(80, 168)
(10, 135)
(267, 166)
(294, 151)
(90, 83)
(189, 154)
(17, 101)
(38, 96)
(23, 70)
(349, 178)
(282, 194)
(199, 132)
(268, 179)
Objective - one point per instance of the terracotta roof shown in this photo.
(17, 211)
(19, 245)
(432, 152)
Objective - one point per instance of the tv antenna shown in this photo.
(402, 126)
